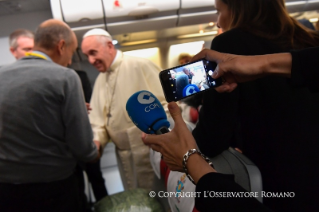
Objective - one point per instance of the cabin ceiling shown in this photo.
(13, 7)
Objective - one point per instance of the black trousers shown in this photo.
(96, 179)
(58, 196)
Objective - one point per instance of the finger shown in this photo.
(208, 54)
(143, 135)
(151, 139)
(226, 87)
(175, 113)
(217, 72)
(88, 107)
(222, 88)
(232, 87)
(199, 55)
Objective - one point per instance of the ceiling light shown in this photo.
(197, 34)
(138, 42)
(313, 20)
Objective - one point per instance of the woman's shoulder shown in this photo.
(234, 34)
(231, 41)
(238, 41)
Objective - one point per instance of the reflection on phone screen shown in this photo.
(189, 79)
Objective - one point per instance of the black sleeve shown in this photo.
(215, 194)
(216, 129)
(305, 68)
(86, 85)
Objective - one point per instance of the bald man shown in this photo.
(120, 77)
(44, 126)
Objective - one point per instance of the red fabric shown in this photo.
(164, 172)
(163, 168)
(195, 210)
(193, 113)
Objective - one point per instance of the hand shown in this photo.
(99, 151)
(98, 147)
(233, 68)
(88, 107)
(175, 144)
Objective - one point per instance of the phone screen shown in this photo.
(188, 79)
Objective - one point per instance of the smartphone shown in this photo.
(188, 79)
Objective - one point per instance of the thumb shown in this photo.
(149, 139)
(175, 112)
(217, 73)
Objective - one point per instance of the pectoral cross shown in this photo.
(108, 117)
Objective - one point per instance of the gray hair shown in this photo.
(19, 33)
(48, 36)
(103, 39)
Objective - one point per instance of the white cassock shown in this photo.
(111, 91)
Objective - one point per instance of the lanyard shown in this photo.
(35, 55)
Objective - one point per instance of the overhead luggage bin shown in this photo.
(79, 14)
(295, 5)
(302, 5)
(138, 7)
(148, 24)
(127, 16)
(82, 12)
(196, 12)
(185, 4)
(197, 18)
(56, 9)
(135, 15)
(312, 5)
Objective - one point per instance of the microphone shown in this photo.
(147, 113)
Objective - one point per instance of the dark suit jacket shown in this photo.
(86, 85)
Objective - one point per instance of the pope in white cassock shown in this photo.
(120, 77)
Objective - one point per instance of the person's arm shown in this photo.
(299, 65)
(96, 114)
(236, 68)
(175, 144)
(86, 85)
(78, 132)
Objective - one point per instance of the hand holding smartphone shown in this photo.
(188, 79)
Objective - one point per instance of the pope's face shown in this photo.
(100, 54)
